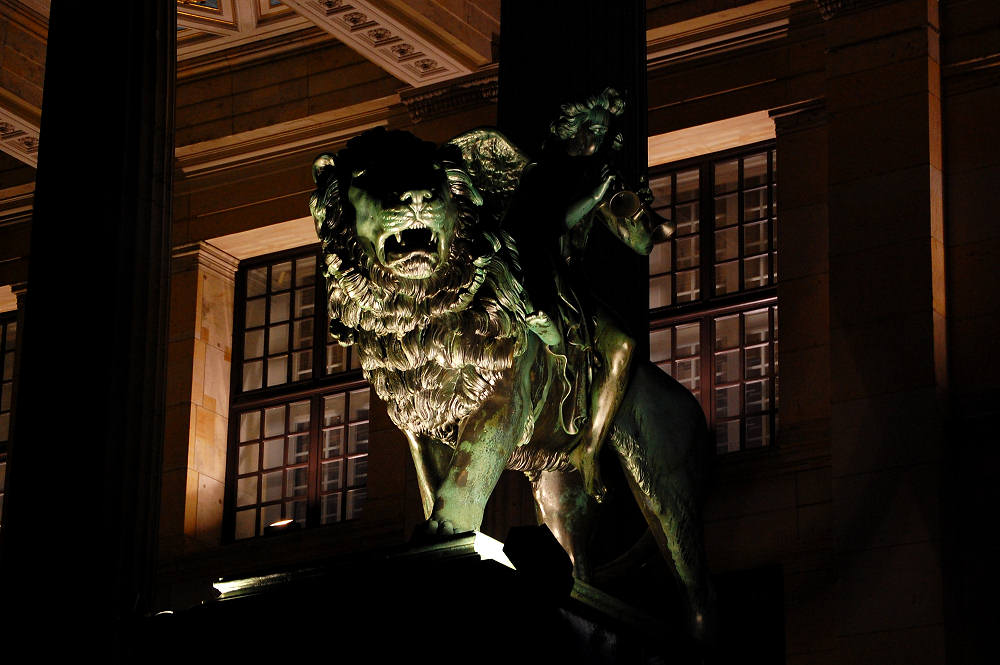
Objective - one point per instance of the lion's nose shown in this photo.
(416, 197)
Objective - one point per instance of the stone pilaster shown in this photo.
(199, 354)
(804, 278)
(887, 345)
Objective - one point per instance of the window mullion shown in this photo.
(706, 225)
(315, 433)
(708, 366)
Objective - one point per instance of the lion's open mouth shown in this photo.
(403, 244)
(413, 252)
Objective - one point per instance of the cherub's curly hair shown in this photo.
(572, 116)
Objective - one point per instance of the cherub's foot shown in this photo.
(584, 458)
(542, 325)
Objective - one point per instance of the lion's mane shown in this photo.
(432, 349)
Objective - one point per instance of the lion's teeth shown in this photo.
(434, 236)
(399, 237)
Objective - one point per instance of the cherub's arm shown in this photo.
(579, 209)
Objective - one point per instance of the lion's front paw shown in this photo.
(439, 528)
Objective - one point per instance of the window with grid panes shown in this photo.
(299, 414)
(8, 337)
(712, 297)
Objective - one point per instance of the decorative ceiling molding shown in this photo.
(382, 39)
(719, 32)
(452, 96)
(206, 26)
(18, 137)
(316, 133)
(214, 16)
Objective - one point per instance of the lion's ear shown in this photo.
(323, 168)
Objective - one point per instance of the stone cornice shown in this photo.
(973, 74)
(196, 255)
(459, 94)
(719, 32)
(831, 8)
(313, 133)
(801, 115)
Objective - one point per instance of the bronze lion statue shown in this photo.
(424, 280)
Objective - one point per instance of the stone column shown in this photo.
(80, 542)
(576, 50)
(887, 329)
(199, 355)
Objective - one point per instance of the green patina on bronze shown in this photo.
(480, 367)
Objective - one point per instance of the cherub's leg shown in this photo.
(569, 512)
(614, 350)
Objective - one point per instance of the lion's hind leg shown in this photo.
(659, 435)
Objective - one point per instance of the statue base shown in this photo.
(440, 602)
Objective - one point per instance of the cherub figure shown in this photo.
(573, 175)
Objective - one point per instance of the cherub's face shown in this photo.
(591, 134)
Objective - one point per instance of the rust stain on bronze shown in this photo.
(463, 459)
(463, 478)
(439, 504)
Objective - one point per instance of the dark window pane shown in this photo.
(281, 276)
(277, 370)
(277, 339)
(659, 345)
(256, 282)
(298, 449)
(727, 176)
(687, 185)
(659, 292)
(688, 286)
(727, 332)
(688, 339)
(330, 507)
(659, 258)
(245, 524)
(248, 458)
(255, 312)
(274, 453)
(305, 271)
(279, 308)
(756, 326)
(727, 278)
(755, 170)
(252, 372)
(253, 344)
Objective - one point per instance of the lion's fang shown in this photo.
(399, 238)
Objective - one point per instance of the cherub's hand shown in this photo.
(606, 178)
